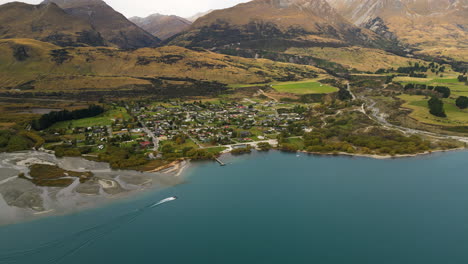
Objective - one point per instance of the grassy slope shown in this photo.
(417, 103)
(362, 59)
(101, 120)
(88, 67)
(457, 88)
(455, 116)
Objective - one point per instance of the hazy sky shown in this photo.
(184, 8)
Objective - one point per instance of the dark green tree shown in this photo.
(47, 120)
(462, 102)
(344, 95)
(436, 107)
(445, 91)
(462, 78)
(409, 86)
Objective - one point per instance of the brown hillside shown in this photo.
(282, 23)
(46, 22)
(46, 67)
(437, 27)
(113, 26)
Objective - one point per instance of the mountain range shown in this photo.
(162, 26)
(73, 23)
(433, 27)
(276, 24)
(285, 30)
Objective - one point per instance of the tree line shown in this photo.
(436, 107)
(47, 120)
(462, 78)
(416, 70)
(443, 90)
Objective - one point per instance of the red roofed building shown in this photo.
(145, 144)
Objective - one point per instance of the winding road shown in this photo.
(376, 115)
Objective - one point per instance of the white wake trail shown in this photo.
(170, 199)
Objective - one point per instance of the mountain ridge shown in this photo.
(114, 27)
(198, 15)
(434, 27)
(46, 22)
(162, 26)
(266, 23)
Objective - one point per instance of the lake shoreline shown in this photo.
(383, 157)
(31, 202)
(176, 170)
(292, 203)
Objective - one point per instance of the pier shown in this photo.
(220, 162)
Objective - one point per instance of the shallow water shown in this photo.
(271, 208)
(22, 200)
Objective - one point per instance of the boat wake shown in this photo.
(170, 199)
(69, 245)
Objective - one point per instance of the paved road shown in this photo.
(254, 144)
(150, 134)
(110, 131)
(376, 115)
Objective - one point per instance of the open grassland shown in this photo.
(419, 105)
(179, 147)
(53, 68)
(451, 81)
(309, 86)
(101, 120)
(362, 59)
(304, 87)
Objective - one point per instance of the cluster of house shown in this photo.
(223, 124)
(204, 123)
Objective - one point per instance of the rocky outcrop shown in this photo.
(378, 26)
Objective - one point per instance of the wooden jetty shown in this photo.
(220, 162)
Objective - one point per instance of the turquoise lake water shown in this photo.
(271, 208)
